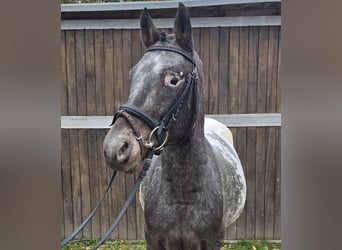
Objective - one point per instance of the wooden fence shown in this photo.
(241, 59)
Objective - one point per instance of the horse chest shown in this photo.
(168, 207)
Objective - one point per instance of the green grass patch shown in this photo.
(141, 245)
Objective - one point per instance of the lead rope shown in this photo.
(74, 233)
(129, 199)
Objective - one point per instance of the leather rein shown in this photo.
(158, 128)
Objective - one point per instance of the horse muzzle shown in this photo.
(121, 150)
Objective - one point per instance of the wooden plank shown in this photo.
(80, 74)
(84, 180)
(131, 211)
(71, 72)
(241, 147)
(232, 120)
(75, 177)
(99, 73)
(196, 33)
(93, 182)
(279, 73)
(66, 184)
(213, 70)
(103, 181)
(136, 46)
(124, 6)
(260, 184)
(252, 69)
(64, 83)
(223, 71)
(163, 23)
(270, 183)
(262, 69)
(108, 72)
(126, 61)
(272, 71)
(233, 90)
(243, 69)
(250, 175)
(204, 55)
(90, 72)
(121, 198)
(118, 77)
(277, 189)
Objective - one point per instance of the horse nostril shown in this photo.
(123, 152)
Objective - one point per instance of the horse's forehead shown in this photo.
(156, 62)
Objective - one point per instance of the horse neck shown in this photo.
(183, 162)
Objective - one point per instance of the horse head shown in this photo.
(162, 107)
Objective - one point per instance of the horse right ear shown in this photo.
(149, 33)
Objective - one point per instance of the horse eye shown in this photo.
(174, 81)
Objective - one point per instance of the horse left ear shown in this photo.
(149, 33)
(182, 28)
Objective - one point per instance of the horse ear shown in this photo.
(182, 28)
(149, 33)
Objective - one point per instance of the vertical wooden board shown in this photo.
(213, 70)
(126, 62)
(233, 79)
(279, 74)
(80, 74)
(277, 191)
(99, 73)
(250, 178)
(76, 182)
(108, 72)
(204, 55)
(272, 72)
(71, 72)
(118, 77)
(262, 69)
(131, 211)
(66, 183)
(243, 69)
(113, 204)
(103, 181)
(223, 71)
(196, 32)
(90, 72)
(253, 44)
(121, 198)
(270, 182)
(63, 72)
(260, 183)
(136, 46)
(93, 181)
(241, 149)
(84, 179)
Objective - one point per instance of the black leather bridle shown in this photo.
(160, 128)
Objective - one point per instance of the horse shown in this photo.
(195, 186)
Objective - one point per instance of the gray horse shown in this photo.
(195, 187)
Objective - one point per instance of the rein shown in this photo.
(160, 129)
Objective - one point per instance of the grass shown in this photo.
(141, 245)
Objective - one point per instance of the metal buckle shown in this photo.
(149, 143)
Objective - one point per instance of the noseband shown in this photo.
(160, 128)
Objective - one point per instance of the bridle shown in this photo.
(161, 128)
(158, 128)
